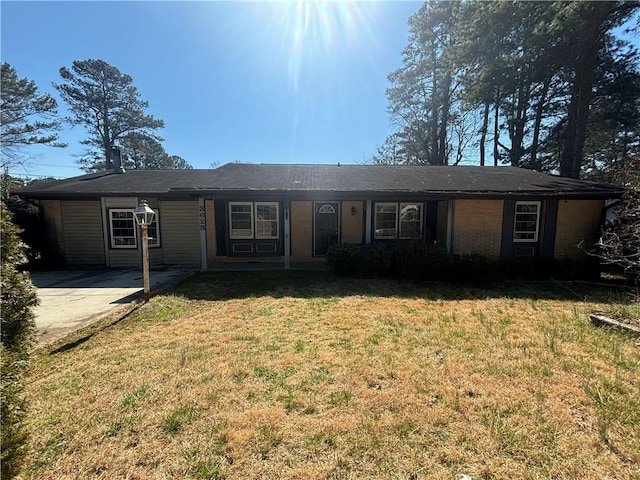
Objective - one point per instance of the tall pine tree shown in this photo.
(107, 104)
(27, 117)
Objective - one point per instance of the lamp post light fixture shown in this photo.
(144, 216)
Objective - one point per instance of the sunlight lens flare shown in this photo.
(313, 31)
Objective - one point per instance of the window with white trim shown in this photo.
(410, 220)
(124, 229)
(398, 220)
(267, 220)
(386, 220)
(249, 220)
(241, 219)
(153, 232)
(526, 222)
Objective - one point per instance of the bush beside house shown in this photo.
(357, 260)
(18, 334)
(429, 262)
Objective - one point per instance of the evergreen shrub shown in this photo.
(18, 335)
(356, 260)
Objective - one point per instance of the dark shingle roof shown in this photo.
(236, 177)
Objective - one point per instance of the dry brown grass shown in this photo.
(305, 376)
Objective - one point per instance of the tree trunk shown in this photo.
(533, 163)
(496, 129)
(581, 90)
(483, 133)
(578, 113)
(444, 121)
(433, 138)
(106, 141)
(518, 121)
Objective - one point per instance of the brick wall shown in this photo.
(477, 227)
(577, 220)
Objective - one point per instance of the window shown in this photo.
(124, 229)
(525, 225)
(241, 220)
(326, 208)
(385, 221)
(410, 220)
(242, 223)
(266, 220)
(153, 232)
(388, 224)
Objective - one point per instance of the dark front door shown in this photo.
(325, 226)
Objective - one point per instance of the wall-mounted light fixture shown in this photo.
(353, 211)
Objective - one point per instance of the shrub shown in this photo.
(356, 260)
(419, 261)
(472, 268)
(544, 268)
(18, 334)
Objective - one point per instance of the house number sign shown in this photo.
(203, 218)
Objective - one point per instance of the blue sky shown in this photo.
(260, 82)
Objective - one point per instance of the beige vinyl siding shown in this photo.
(123, 202)
(82, 232)
(52, 217)
(180, 232)
(156, 256)
(578, 220)
(477, 227)
(124, 258)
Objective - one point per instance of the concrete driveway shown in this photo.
(71, 299)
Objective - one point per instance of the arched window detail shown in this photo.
(326, 209)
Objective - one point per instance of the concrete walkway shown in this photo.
(71, 299)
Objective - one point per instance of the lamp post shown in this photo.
(144, 216)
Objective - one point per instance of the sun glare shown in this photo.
(313, 32)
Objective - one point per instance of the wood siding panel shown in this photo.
(180, 232)
(352, 225)
(82, 232)
(301, 230)
(477, 227)
(578, 220)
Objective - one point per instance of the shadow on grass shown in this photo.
(304, 284)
